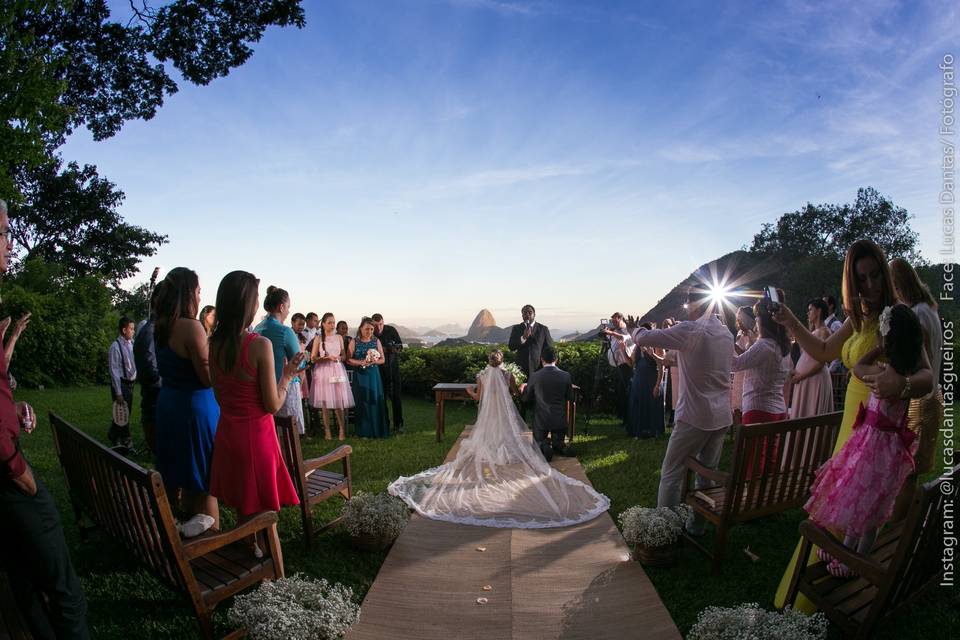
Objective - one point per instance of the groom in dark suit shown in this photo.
(550, 388)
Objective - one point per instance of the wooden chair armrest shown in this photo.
(205, 544)
(863, 565)
(720, 477)
(339, 453)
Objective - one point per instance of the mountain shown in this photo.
(448, 330)
(481, 325)
(406, 333)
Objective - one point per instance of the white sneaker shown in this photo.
(195, 525)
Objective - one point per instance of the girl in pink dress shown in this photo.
(855, 491)
(331, 387)
(247, 472)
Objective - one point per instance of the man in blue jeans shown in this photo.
(32, 549)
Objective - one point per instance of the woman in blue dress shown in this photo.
(645, 408)
(187, 412)
(365, 354)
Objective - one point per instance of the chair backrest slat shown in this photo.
(775, 462)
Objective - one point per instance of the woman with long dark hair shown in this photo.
(331, 387)
(766, 365)
(365, 354)
(867, 290)
(812, 386)
(644, 405)
(248, 472)
(187, 412)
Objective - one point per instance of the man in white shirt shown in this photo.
(123, 375)
(704, 347)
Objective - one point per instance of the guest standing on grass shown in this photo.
(248, 472)
(620, 356)
(925, 414)
(812, 385)
(365, 354)
(123, 375)
(389, 337)
(867, 290)
(766, 366)
(285, 346)
(148, 375)
(705, 349)
(343, 330)
(187, 412)
(746, 336)
(644, 405)
(34, 552)
(331, 389)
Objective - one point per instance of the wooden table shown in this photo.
(444, 391)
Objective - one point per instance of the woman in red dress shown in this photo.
(247, 471)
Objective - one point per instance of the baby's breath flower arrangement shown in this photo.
(750, 622)
(653, 533)
(514, 369)
(295, 608)
(374, 520)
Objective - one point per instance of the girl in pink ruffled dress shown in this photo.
(331, 388)
(855, 491)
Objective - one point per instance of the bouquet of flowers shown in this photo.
(653, 527)
(514, 369)
(296, 607)
(372, 356)
(750, 622)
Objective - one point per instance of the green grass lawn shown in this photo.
(124, 601)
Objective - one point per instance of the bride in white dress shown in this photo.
(499, 478)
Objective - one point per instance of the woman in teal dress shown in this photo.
(365, 354)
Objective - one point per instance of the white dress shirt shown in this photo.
(621, 349)
(704, 351)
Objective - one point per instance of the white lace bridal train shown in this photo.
(499, 477)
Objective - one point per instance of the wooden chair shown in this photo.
(130, 504)
(313, 483)
(907, 557)
(773, 468)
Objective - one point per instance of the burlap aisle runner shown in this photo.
(571, 582)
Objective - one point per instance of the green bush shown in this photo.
(71, 326)
(420, 369)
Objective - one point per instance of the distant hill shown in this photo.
(447, 330)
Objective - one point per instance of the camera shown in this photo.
(604, 323)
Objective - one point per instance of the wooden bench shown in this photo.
(313, 483)
(773, 467)
(907, 557)
(130, 504)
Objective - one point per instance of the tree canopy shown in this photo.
(65, 64)
(827, 230)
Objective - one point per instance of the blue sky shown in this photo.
(427, 158)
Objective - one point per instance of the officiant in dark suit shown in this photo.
(390, 371)
(550, 388)
(528, 340)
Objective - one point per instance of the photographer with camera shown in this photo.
(620, 348)
(390, 372)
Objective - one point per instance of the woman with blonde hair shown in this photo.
(867, 290)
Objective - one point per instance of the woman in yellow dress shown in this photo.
(867, 289)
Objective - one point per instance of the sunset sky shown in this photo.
(427, 158)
